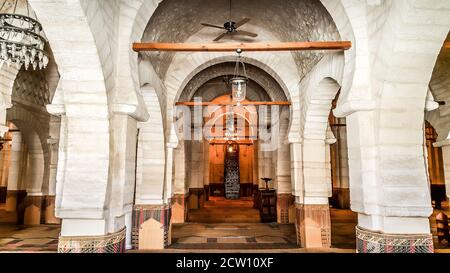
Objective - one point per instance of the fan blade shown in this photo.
(220, 37)
(242, 22)
(214, 26)
(246, 33)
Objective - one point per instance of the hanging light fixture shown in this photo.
(230, 130)
(239, 82)
(21, 39)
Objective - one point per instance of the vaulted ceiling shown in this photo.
(286, 20)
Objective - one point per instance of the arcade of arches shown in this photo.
(98, 148)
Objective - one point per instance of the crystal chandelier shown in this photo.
(21, 40)
(239, 83)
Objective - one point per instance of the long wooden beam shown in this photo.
(250, 103)
(232, 47)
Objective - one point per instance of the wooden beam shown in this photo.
(250, 103)
(225, 142)
(232, 47)
(447, 45)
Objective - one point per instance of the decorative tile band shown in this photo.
(284, 204)
(375, 242)
(320, 216)
(180, 208)
(142, 214)
(112, 243)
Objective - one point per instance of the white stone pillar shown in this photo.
(389, 189)
(313, 212)
(121, 194)
(445, 145)
(206, 169)
(14, 172)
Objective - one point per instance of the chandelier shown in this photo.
(239, 83)
(21, 40)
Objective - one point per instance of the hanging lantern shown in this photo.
(239, 88)
(239, 81)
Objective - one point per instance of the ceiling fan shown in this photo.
(231, 27)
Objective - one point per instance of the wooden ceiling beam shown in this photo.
(250, 103)
(246, 47)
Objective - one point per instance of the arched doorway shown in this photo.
(231, 148)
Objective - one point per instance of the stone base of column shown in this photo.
(32, 207)
(313, 225)
(151, 227)
(3, 191)
(196, 198)
(180, 208)
(376, 242)
(111, 243)
(11, 201)
(285, 209)
(49, 211)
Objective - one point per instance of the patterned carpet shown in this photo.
(220, 210)
(233, 236)
(28, 239)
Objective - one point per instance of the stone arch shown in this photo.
(180, 86)
(36, 139)
(199, 77)
(352, 27)
(318, 91)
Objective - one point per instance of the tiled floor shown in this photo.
(28, 239)
(243, 237)
(233, 236)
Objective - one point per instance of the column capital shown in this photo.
(3, 130)
(56, 109)
(352, 106)
(135, 111)
(442, 144)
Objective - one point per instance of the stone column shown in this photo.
(3, 186)
(342, 186)
(122, 193)
(180, 198)
(445, 145)
(33, 208)
(196, 186)
(85, 224)
(206, 169)
(389, 190)
(14, 172)
(4, 167)
(311, 189)
(50, 199)
(285, 199)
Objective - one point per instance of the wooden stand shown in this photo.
(266, 202)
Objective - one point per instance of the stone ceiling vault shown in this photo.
(287, 20)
